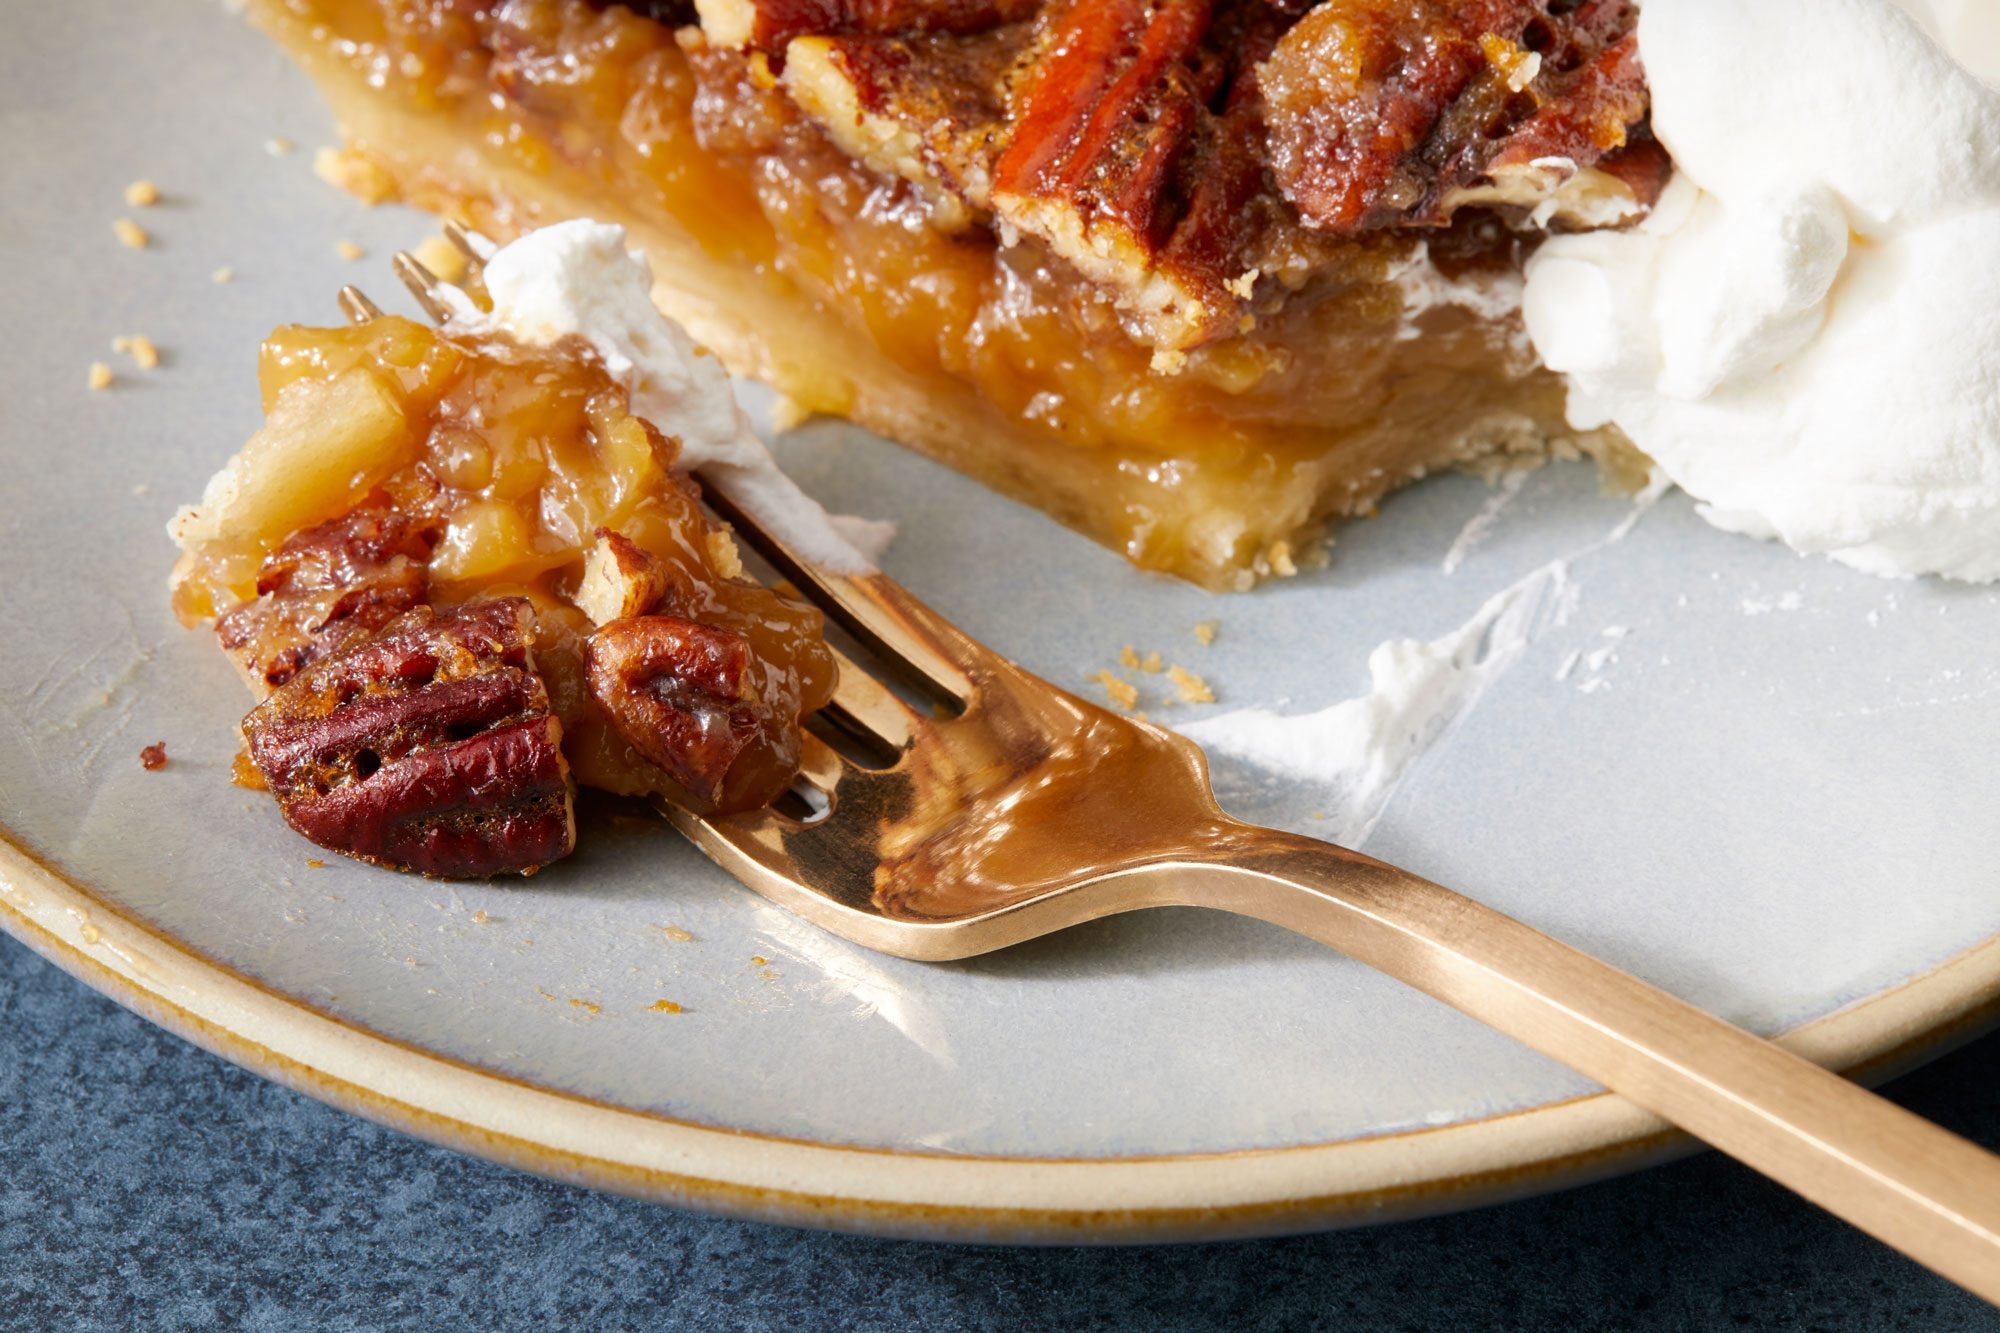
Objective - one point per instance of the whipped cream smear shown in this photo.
(1805, 333)
(577, 278)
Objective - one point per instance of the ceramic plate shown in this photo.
(1762, 782)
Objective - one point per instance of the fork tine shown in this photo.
(907, 635)
(475, 247)
(822, 766)
(863, 702)
(357, 307)
(423, 285)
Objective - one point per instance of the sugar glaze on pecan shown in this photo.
(1193, 157)
(680, 692)
(429, 746)
(326, 587)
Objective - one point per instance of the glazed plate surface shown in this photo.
(1762, 782)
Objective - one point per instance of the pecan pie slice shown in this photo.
(1196, 276)
(462, 578)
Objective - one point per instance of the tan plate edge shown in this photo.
(933, 1195)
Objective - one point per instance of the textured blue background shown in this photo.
(144, 1183)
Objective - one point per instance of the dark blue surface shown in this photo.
(148, 1184)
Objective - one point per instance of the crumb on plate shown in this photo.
(142, 194)
(154, 757)
(131, 233)
(1192, 688)
(663, 1007)
(348, 250)
(140, 348)
(1123, 693)
(1204, 633)
(100, 375)
(224, 274)
(355, 174)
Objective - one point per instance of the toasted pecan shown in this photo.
(1379, 110)
(428, 746)
(326, 587)
(768, 24)
(680, 694)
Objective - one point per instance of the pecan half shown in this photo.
(769, 24)
(428, 746)
(1133, 153)
(326, 587)
(680, 694)
(1379, 111)
(932, 112)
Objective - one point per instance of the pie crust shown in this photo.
(865, 291)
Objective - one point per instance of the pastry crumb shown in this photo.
(788, 414)
(154, 757)
(100, 375)
(441, 257)
(590, 1007)
(131, 233)
(139, 347)
(223, 274)
(348, 250)
(279, 146)
(1128, 658)
(480, 918)
(676, 933)
(663, 1007)
(1150, 664)
(758, 960)
(722, 553)
(142, 194)
(1123, 693)
(1192, 688)
(350, 171)
(314, 863)
(1169, 361)
(1204, 633)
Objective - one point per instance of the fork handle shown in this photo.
(1905, 1181)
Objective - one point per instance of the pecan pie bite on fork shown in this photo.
(462, 578)
(1198, 277)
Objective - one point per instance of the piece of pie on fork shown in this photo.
(1195, 276)
(462, 576)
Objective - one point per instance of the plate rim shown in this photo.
(919, 1194)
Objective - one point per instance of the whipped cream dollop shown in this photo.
(577, 278)
(1805, 333)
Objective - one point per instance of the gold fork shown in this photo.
(1013, 809)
